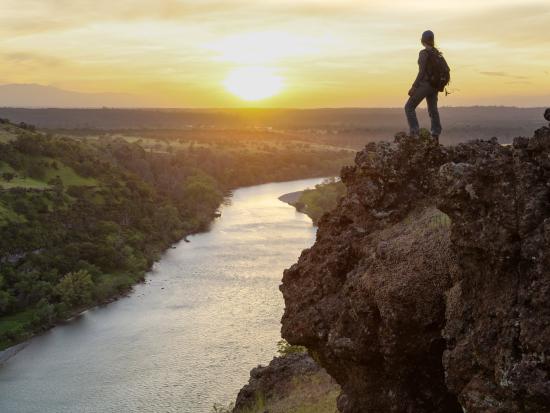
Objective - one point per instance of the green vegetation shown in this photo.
(82, 220)
(284, 348)
(15, 325)
(67, 175)
(324, 198)
(218, 408)
(236, 161)
(38, 172)
(7, 215)
(6, 136)
(9, 178)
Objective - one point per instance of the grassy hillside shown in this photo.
(82, 220)
(39, 172)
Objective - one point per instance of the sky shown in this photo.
(277, 53)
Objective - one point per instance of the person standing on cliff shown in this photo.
(433, 76)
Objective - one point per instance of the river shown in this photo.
(209, 312)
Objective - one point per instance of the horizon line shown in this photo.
(205, 108)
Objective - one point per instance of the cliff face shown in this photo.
(427, 288)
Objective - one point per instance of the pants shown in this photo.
(423, 91)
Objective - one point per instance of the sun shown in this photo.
(253, 83)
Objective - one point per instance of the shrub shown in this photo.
(8, 176)
(75, 288)
(44, 314)
(218, 408)
(36, 170)
(284, 348)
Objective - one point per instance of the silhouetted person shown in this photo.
(429, 82)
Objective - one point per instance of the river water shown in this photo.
(187, 338)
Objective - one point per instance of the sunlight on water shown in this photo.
(209, 312)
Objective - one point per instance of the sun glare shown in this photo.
(253, 83)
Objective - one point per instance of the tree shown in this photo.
(201, 192)
(36, 170)
(8, 176)
(6, 300)
(44, 313)
(75, 288)
(166, 220)
(57, 187)
(27, 126)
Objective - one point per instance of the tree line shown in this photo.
(65, 247)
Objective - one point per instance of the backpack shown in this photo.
(439, 73)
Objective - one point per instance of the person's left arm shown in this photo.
(422, 67)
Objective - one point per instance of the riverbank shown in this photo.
(9, 350)
(315, 202)
(208, 312)
(81, 220)
(291, 198)
(7, 347)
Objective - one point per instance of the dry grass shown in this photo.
(310, 393)
(410, 264)
(420, 242)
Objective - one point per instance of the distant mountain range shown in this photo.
(39, 96)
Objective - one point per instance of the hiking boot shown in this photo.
(436, 138)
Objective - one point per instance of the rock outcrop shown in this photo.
(428, 288)
(290, 383)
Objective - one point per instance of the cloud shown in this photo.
(21, 17)
(26, 58)
(42, 15)
(370, 46)
(509, 24)
(503, 74)
(519, 82)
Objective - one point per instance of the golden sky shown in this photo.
(313, 53)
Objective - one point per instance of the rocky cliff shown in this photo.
(428, 287)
